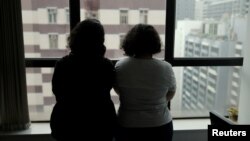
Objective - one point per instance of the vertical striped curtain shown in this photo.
(13, 92)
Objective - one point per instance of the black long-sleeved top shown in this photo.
(82, 90)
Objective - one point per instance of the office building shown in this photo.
(207, 88)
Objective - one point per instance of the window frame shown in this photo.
(67, 15)
(74, 12)
(74, 8)
(53, 40)
(121, 38)
(92, 14)
(143, 15)
(53, 14)
(124, 17)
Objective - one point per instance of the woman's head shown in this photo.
(87, 38)
(142, 39)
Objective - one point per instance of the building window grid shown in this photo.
(202, 82)
(195, 86)
(197, 50)
(204, 51)
(203, 89)
(196, 73)
(212, 84)
(201, 98)
(212, 76)
(194, 100)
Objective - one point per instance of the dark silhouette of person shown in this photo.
(81, 83)
(145, 85)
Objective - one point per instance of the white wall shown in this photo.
(109, 16)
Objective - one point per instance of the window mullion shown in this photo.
(170, 30)
(74, 8)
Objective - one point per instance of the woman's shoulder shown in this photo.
(124, 60)
(162, 62)
(64, 59)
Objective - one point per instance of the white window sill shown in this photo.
(191, 124)
(179, 125)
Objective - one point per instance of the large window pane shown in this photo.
(204, 28)
(45, 27)
(40, 97)
(201, 89)
(210, 28)
(118, 16)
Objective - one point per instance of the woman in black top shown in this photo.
(81, 84)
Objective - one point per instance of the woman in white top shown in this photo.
(145, 85)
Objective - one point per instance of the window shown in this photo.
(45, 27)
(123, 16)
(144, 16)
(53, 41)
(213, 29)
(209, 39)
(202, 92)
(67, 18)
(122, 36)
(40, 96)
(118, 18)
(52, 15)
(206, 62)
(91, 14)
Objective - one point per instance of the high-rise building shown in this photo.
(207, 88)
(220, 34)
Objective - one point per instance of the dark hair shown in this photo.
(142, 39)
(87, 38)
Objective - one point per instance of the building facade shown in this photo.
(209, 88)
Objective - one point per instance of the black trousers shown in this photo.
(160, 133)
